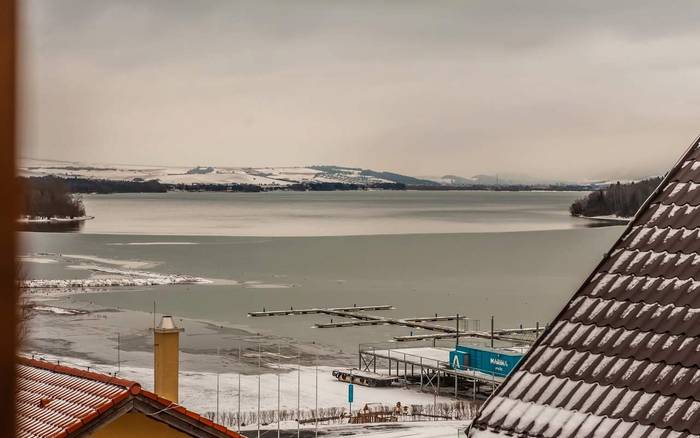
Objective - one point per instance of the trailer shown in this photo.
(364, 378)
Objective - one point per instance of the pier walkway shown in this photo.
(427, 367)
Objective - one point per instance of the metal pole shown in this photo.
(298, 395)
(455, 375)
(405, 382)
(119, 363)
(491, 331)
(278, 390)
(389, 355)
(238, 419)
(259, 364)
(457, 341)
(421, 373)
(316, 414)
(435, 396)
(217, 385)
(349, 400)
(374, 353)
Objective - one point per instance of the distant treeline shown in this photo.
(103, 186)
(49, 197)
(622, 200)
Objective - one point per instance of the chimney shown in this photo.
(167, 359)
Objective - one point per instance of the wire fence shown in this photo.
(456, 410)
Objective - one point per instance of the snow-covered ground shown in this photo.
(198, 390)
(608, 218)
(264, 176)
(418, 429)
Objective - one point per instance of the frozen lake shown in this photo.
(520, 277)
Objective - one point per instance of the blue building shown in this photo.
(497, 362)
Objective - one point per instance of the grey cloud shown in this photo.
(557, 88)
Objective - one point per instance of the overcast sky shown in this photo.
(559, 89)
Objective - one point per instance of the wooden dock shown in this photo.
(355, 316)
(328, 311)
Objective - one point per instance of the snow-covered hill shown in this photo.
(261, 176)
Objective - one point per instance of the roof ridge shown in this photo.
(133, 386)
(189, 413)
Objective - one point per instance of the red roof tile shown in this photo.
(55, 400)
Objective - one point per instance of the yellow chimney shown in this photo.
(167, 359)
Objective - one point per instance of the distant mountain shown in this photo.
(504, 180)
(373, 174)
(316, 177)
(486, 180)
(398, 178)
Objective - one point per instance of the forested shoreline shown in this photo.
(105, 186)
(49, 197)
(623, 200)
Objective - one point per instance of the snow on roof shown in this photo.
(623, 356)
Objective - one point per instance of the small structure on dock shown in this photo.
(495, 361)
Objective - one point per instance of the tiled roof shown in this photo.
(56, 401)
(622, 359)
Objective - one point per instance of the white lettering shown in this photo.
(499, 362)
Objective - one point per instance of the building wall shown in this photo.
(137, 425)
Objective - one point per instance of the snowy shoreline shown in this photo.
(609, 218)
(106, 273)
(87, 283)
(53, 220)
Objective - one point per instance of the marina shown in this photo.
(466, 370)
